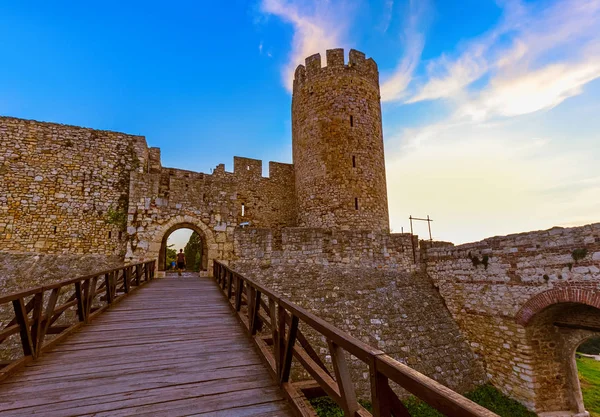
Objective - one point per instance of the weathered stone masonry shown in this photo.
(58, 184)
(508, 310)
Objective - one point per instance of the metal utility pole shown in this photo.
(428, 220)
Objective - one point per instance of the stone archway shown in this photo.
(163, 246)
(157, 238)
(565, 294)
(556, 322)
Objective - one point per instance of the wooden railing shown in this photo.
(54, 311)
(273, 322)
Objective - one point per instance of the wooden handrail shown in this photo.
(36, 316)
(278, 346)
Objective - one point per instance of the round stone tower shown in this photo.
(338, 144)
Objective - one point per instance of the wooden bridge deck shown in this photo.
(173, 348)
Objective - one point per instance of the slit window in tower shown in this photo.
(109, 235)
(120, 235)
(353, 161)
(243, 209)
(54, 229)
(351, 121)
(356, 203)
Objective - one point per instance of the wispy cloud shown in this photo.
(318, 26)
(483, 179)
(534, 59)
(413, 39)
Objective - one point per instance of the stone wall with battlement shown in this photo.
(59, 184)
(313, 246)
(500, 308)
(217, 203)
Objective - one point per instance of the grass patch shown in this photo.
(486, 396)
(589, 377)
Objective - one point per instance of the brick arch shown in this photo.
(545, 299)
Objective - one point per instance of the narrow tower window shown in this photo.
(55, 229)
(356, 203)
(351, 121)
(243, 209)
(120, 235)
(109, 235)
(353, 161)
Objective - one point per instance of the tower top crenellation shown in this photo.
(357, 62)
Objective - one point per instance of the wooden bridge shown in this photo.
(177, 347)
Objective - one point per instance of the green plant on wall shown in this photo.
(485, 260)
(118, 217)
(579, 254)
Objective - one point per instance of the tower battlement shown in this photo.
(357, 62)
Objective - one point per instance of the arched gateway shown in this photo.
(155, 237)
(556, 322)
(163, 247)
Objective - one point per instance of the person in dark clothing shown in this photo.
(180, 261)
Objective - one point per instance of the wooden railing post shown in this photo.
(238, 294)
(91, 294)
(343, 379)
(113, 284)
(384, 400)
(281, 337)
(47, 317)
(36, 326)
(250, 301)
(108, 285)
(230, 285)
(138, 275)
(255, 311)
(289, 351)
(80, 301)
(126, 280)
(274, 334)
(23, 322)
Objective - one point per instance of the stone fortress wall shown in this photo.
(337, 144)
(216, 203)
(59, 184)
(300, 246)
(509, 308)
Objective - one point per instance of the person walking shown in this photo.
(180, 261)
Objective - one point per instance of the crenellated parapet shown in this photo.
(358, 64)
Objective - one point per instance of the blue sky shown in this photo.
(491, 108)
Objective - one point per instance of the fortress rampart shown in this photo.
(60, 185)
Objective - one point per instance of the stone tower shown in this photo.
(338, 144)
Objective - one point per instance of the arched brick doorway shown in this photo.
(163, 246)
(556, 322)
